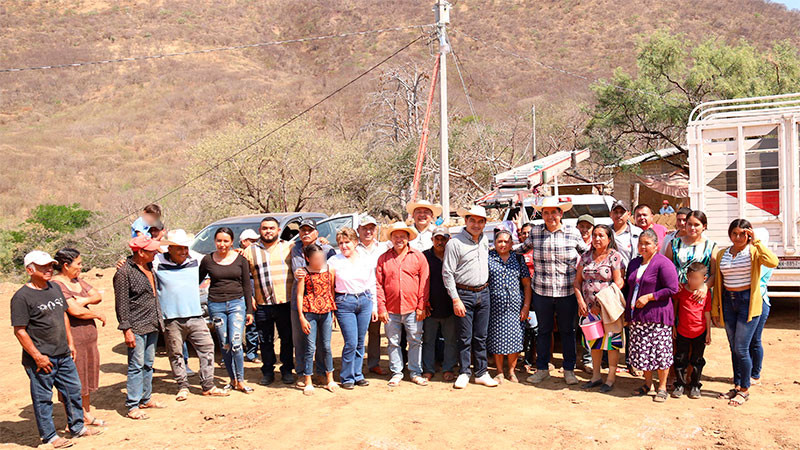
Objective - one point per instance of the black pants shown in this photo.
(529, 345)
(268, 318)
(689, 351)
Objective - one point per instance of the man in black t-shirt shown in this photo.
(39, 318)
(441, 314)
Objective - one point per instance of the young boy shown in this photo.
(150, 215)
(693, 329)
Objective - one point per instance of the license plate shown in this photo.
(786, 263)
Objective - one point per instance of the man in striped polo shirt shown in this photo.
(270, 269)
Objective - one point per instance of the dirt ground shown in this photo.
(408, 417)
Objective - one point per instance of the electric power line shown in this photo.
(554, 68)
(212, 50)
(273, 131)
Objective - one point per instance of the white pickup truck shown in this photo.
(744, 162)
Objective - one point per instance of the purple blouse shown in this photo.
(660, 279)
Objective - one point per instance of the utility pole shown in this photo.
(533, 133)
(442, 10)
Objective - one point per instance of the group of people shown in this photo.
(452, 300)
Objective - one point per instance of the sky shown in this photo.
(791, 4)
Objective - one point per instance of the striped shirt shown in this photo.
(736, 269)
(555, 259)
(271, 271)
(683, 255)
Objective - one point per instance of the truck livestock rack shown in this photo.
(744, 162)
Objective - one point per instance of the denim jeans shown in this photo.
(268, 318)
(140, 369)
(735, 309)
(321, 328)
(251, 342)
(64, 376)
(472, 331)
(394, 327)
(299, 343)
(565, 309)
(756, 349)
(429, 338)
(228, 318)
(354, 313)
(177, 332)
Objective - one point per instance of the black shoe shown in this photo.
(362, 382)
(266, 380)
(694, 392)
(591, 384)
(349, 386)
(678, 392)
(289, 378)
(605, 388)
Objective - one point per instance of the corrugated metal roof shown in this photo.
(651, 156)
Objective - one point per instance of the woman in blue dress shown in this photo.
(510, 291)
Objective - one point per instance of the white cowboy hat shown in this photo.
(248, 233)
(435, 207)
(563, 203)
(474, 210)
(178, 238)
(399, 226)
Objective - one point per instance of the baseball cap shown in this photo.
(144, 243)
(586, 218)
(440, 231)
(39, 258)
(248, 234)
(308, 223)
(620, 204)
(666, 202)
(366, 219)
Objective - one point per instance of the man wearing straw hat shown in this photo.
(423, 213)
(556, 249)
(465, 271)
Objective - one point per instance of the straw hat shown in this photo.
(474, 210)
(399, 226)
(563, 203)
(435, 207)
(179, 238)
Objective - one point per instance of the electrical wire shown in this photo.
(270, 133)
(212, 50)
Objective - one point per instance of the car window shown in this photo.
(328, 229)
(290, 230)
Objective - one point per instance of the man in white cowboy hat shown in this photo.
(402, 280)
(556, 249)
(423, 213)
(247, 238)
(177, 272)
(465, 271)
(370, 248)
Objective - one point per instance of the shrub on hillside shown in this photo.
(61, 218)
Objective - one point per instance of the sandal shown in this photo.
(216, 392)
(728, 395)
(661, 396)
(332, 386)
(739, 399)
(152, 404)
(137, 414)
(449, 376)
(512, 377)
(183, 394)
(395, 380)
(61, 442)
(308, 390)
(86, 432)
(245, 389)
(641, 391)
(95, 422)
(419, 381)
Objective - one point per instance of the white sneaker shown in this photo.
(570, 378)
(486, 380)
(539, 376)
(461, 381)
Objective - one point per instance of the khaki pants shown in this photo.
(195, 331)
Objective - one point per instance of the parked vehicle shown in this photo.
(744, 162)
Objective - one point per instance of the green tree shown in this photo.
(634, 114)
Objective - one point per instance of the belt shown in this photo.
(472, 288)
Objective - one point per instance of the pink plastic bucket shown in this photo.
(592, 329)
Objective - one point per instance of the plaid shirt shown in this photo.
(555, 258)
(271, 272)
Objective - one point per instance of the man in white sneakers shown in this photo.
(465, 271)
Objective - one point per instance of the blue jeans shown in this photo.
(321, 328)
(394, 327)
(228, 318)
(735, 309)
(354, 313)
(429, 338)
(472, 330)
(756, 349)
(299, 344)
(64, 376)
(565, 310)
(140, 369)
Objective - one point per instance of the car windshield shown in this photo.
(204, 242)
(328, 229)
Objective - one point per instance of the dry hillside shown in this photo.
(112, 136)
